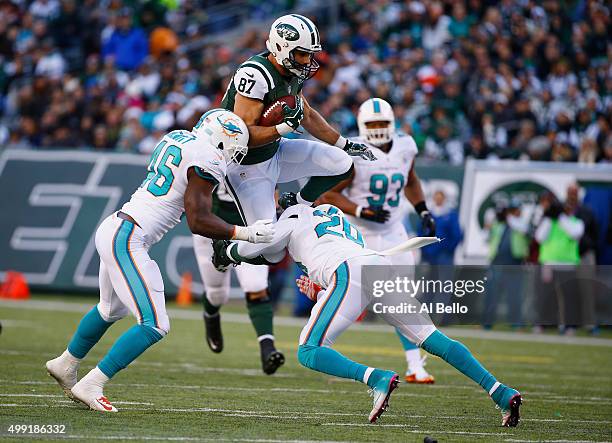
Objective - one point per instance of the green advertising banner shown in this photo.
(54, 201)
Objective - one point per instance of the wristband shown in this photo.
(421, 207)
(283, 129)
(240, 233)
(358, 210)
(341, 142)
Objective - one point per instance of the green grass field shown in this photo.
(179, 391)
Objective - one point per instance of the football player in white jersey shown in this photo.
(185, 168)
(331, 251)
(371, 198)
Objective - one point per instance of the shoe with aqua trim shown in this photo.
(381, 393)
(511, 415)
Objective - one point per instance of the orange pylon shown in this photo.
(183, 298)
(15, 286)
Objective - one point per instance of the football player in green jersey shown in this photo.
(259, 82)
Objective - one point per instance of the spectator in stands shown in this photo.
(127, 45)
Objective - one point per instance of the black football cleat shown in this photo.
(287, 199)
(214, 336)
(271, 358)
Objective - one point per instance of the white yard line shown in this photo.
(64, 306)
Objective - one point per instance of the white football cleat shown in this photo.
(418, 374)
(92, 397)
(381, 393)
(64, 373)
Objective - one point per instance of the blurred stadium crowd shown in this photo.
(467, 78)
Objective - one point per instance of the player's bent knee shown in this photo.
(257, 296)
(306, 355)
(218, 296)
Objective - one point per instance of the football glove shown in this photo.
(307, 287)
(292, 117)
(376, 214)
(358, 150)
(262, 231)
(428, 224)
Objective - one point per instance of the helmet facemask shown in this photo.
(234, 153)
(302, 71)
(378, 136)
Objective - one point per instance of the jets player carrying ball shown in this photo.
(184, 169)
(257, 83)
(333, 253)
(371, 199)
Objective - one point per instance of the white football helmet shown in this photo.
(225, 131)
(376, 110)
(291, 32)
(330, 209)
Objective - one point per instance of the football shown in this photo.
(273, 114)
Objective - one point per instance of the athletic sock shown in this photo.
(209, 308)
(413, 359)
(315, 186)
(330, 361)
(456, 354)
(261, 314)
(95, 377)
(413, 354)
(127, 348)
(89, 332)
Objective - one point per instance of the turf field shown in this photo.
(179, 391)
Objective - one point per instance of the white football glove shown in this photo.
(307, 287)
(262, 231)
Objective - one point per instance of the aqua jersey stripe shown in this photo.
(330, 309)
(376, 106)
(136, 285)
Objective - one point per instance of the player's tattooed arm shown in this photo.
(250, 110)
(198, 209)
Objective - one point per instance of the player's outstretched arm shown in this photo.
(201, 220)
(198, 209)
(318, 127)
(250, 110)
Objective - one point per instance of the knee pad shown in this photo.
(218, 296)
(306, 355)
(257, 297)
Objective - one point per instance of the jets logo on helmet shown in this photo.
(290, 33)
(225, 131)
(376, 121)
(287, 32)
